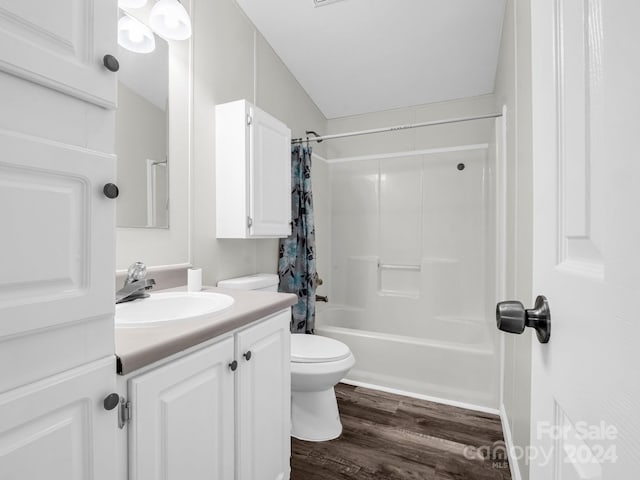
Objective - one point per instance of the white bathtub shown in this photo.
(449, 358)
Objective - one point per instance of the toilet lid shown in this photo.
(315, 349)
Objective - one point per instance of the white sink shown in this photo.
(170, 306)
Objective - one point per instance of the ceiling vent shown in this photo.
(322, 3)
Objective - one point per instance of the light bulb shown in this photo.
(170, 20)
(135, 35)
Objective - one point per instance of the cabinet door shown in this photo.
(270, 176)
(61, 45)
(58, 428)
(182, 424)
(57, 256)
(264, 400)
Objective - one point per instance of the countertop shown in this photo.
(138, 347)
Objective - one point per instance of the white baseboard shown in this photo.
(508, 440)
(419, 396)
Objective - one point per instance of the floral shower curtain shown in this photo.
(297, 263)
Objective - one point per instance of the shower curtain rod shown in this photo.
(394, 128)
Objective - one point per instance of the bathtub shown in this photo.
(451, 359)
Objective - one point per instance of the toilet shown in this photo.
(317, 364)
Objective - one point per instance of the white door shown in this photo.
(586, 111)
(58, 429)
(264, 400)
(61, 45)
(270, 176)
(182, 421)
(57, 255)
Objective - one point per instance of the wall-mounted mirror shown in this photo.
(142, 123)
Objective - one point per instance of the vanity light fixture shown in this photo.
(135, 35)
(169, 19)
(131, 3)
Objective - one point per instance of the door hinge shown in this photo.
(249, 119)
(249, 222)
(124, 412)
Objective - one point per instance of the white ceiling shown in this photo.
(360, 56)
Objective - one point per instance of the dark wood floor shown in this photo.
(392, 437)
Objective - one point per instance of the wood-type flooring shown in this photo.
(392, 437)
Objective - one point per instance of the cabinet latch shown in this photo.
(124, 412)
(249, 222)
(249, 119)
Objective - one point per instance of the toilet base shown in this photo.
(315, 416)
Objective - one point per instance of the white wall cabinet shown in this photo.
(195, 417)
(253, 173)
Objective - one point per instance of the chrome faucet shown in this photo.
(136, 284)
(137, 271)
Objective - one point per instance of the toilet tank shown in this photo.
(266, 282)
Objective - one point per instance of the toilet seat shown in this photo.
(317, 349)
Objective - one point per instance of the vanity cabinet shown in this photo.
(263, 402)
(182, 418)
(253, 173)
(202, 416)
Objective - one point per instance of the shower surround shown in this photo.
(413, 254)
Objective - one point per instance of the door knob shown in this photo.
(233, 366)
(512, 317)
(247, 355)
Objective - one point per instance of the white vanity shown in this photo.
(207, 397)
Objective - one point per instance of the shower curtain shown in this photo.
(297, 262)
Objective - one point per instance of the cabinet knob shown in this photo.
(111, 190)
(111, 401)
(247, 356)
(233, 365)
(111, 63)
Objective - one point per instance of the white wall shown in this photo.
(413, 139)
(229, 60)
(513, 89)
